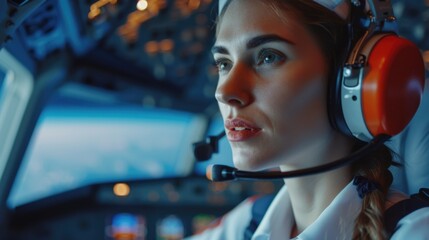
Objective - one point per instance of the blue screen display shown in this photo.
(75, 145)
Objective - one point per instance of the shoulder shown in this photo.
(407, 217)
(394, 196)
(414, 225)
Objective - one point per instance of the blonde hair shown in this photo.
(370, 222)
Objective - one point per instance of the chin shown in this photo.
(249, 164)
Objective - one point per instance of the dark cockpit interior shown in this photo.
(101, 102)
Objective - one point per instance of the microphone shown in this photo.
(204, 150)
(219, 173)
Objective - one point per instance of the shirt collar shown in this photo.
(335, 222)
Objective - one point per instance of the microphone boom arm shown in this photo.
(225, 173)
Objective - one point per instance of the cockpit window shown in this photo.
(79, 142)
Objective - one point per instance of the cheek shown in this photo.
(222, 109)
(298, 120)
(296, 90)
(298, 101)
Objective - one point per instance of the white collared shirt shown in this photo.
(335, 222)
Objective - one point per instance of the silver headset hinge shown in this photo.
(381, 12)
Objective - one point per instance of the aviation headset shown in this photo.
(380, 84)
(377, 91)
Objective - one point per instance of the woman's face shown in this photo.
(272, 88)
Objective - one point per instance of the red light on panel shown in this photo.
(126, 226)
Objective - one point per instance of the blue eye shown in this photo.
(222, 64)
(269, 57)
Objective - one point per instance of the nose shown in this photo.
(235, 88)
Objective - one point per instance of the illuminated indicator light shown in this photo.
(151, 47)
(144, 12)
(95, 8)
(426, 58)
(121, 189)
(94, 13)
(127, 226)
(194, 4)
(142, 5)
(166, 45)
(171, 227)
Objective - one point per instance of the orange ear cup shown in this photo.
(393, 86)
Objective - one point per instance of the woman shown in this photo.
(276, 60)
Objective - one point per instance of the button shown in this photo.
(351, 82)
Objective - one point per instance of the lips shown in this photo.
(240, 130)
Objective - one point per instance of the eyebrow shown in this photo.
(255, 42)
